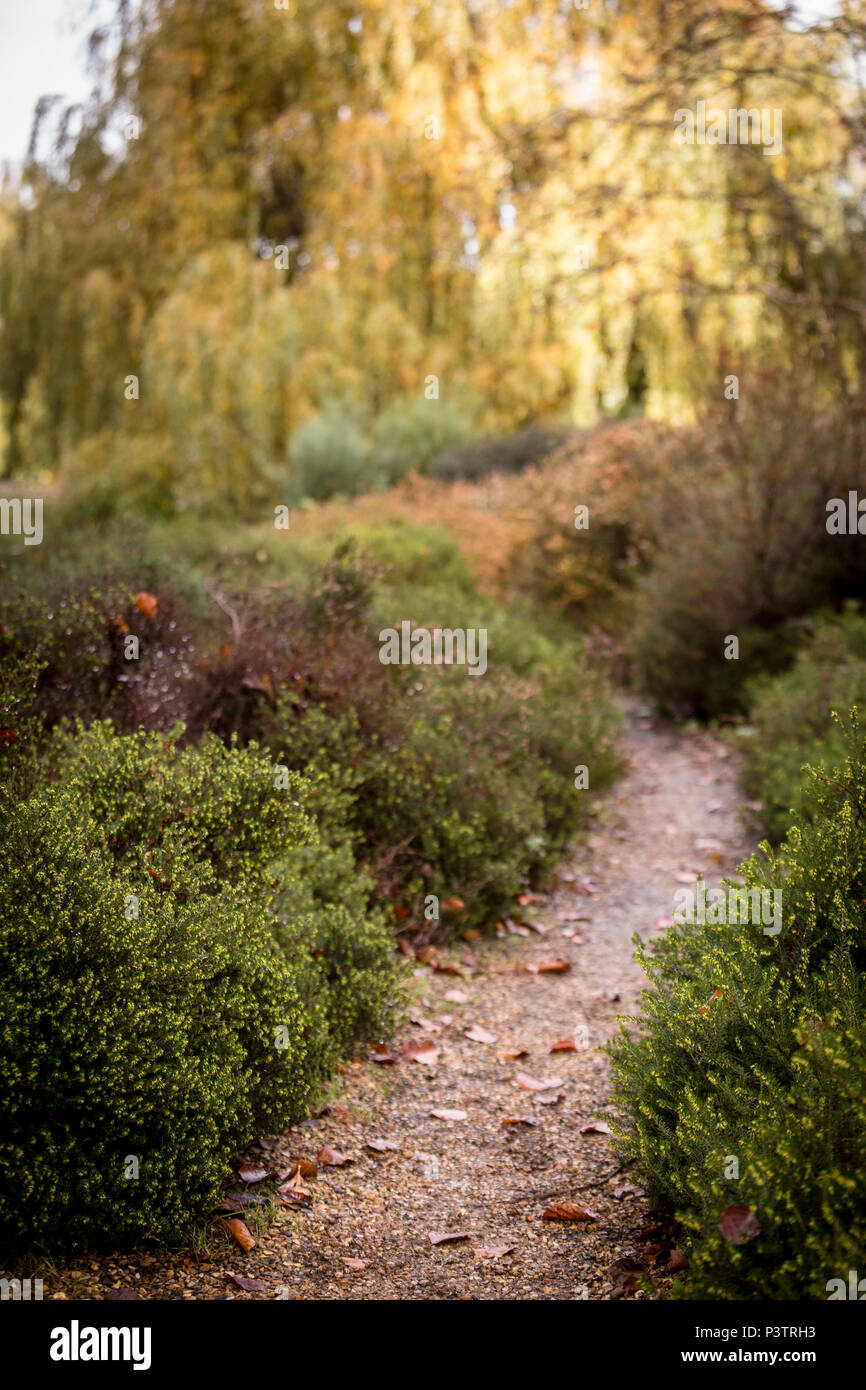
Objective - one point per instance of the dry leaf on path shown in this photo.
(240, 1232)
(383, 1058)
(250, 1285)
(567, 1211)
(303, 1168)
(596, 1127)
(478, 1034)
(426, 1052)
(520, 1120)
(253, 1174)
(531, 1083)
(331, 1157)
(425, 1023)
(382, 1146)
(447, 1237)
(449, 1114)
(511, 1054)
(563, 1045)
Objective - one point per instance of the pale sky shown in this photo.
(43, 46)
(40, 53)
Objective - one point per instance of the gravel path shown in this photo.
(365, 1233)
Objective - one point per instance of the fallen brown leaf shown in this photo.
(596, 1127)
(564, 1045)
(531, 1083)
(548, 967)
(739, 1223)
(331, 1157)
(520, 1120)
(425, 1024)
(447, 1237)
(382, 1146)
(250, 1285)
(240, 1232)
(567, 1211)
(426, 1052)
(303, 1168)
(449, 1114)
(252, 1174)
(478, 1034)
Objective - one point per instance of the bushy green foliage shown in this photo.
(752, 1047)
(330, 455)
(476, 827)
(412, 431)
(790, 717)
(170, 984)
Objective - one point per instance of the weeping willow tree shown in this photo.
(268, 208)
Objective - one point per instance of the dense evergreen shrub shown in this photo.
(752, 1047)
(412, 431)
(791, 717)
(170, 984)
(330, 455)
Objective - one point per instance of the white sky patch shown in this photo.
(43, 50)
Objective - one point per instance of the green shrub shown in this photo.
(330, 455)
(154, 1001)
(412, 431)
(476, 827)
(790, 717)
(752, 1046)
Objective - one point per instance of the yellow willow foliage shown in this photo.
(329, 204)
